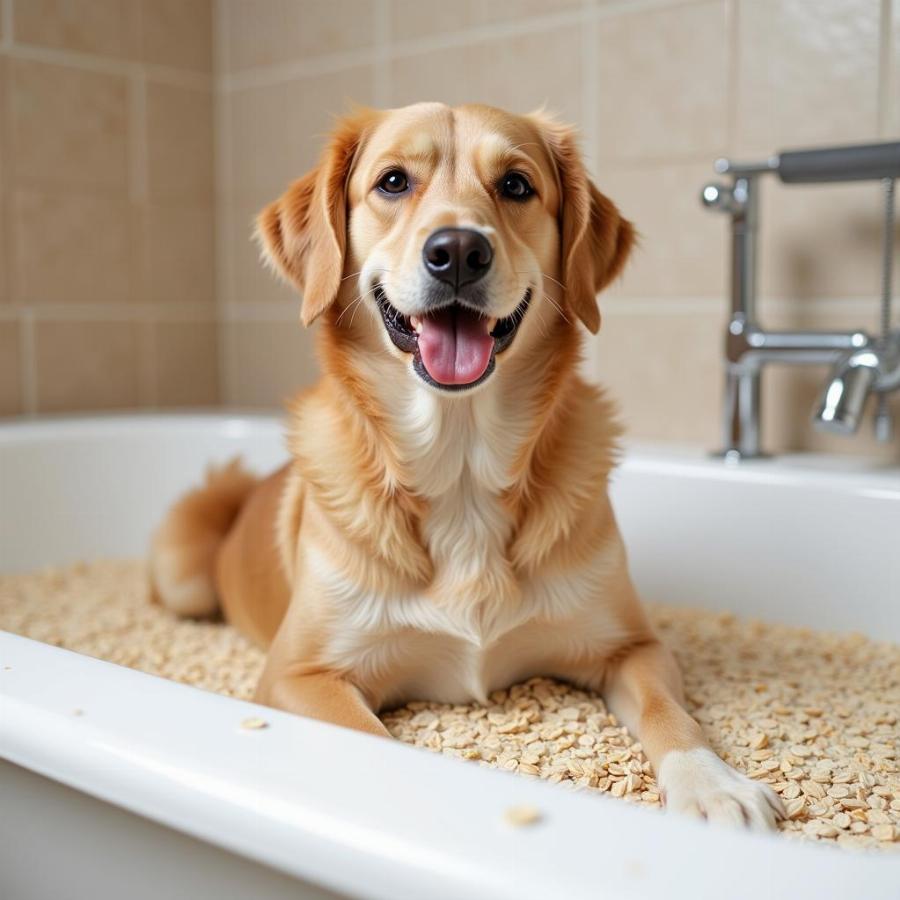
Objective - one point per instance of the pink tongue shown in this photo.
(455, 346)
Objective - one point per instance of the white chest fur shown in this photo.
(479, 628)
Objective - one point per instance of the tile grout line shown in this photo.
(6, 154)
(87, 62)
(733, 14)
(109, 311)
(590, 124)
(6, 16)
(383, 40)
(590, 98)
(139, 176)
(885, 67)
(27, 370)
(222, 201)
(28, 363)
(139, 189)
(146, 368)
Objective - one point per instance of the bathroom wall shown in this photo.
(106, 205)
(127, 274)
(660, 89)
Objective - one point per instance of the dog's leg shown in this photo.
(643, 690)
(325, 696)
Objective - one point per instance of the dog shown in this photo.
(443, 527)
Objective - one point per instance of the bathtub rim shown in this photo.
(180, 758)
(803, 469)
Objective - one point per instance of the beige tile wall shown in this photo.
(116, 212)
(107, 294)
(660, 89)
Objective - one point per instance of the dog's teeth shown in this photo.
(416, 323)
(492, 324)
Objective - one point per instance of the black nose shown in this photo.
(457, 256)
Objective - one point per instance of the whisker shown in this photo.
(355, 307)
(548, 277)
(353, 303)
(542, 323)
(354, 274)
(554, 280)
(558, 307)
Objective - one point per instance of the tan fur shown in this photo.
(425, 546)
(183, 551)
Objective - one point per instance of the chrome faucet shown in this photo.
(862, 364)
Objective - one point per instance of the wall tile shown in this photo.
(270, 362)
(4, 185)
(5, 277)
(665, 371)
(428, 18)
(821, 240)
(177, 33)
(682, 250)
(663, 78)
(250, 279)
(278, 131)
(68, 125)
(186, 364)
(268, 32)
(100, 27)
(496, 73)
(179, 143)
(4, 81)
(72, 246)
(10, 384)
(276, 135)
(86, 365)
(808, 73)
(179, 254)
(891, 99)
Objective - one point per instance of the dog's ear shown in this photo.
(303, 235)
(595, 239)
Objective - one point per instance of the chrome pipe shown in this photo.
(863, 364)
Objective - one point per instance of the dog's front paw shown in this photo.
(698, 783)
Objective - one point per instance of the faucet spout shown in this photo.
(875, 368)
(840, 407)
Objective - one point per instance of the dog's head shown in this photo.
(445, 232)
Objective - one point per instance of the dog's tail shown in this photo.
(183, 550)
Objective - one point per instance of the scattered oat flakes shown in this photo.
(522, 816)
(828, 711)
(254, 723)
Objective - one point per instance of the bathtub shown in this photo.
(155, 790)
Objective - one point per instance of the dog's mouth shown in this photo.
(453, 347)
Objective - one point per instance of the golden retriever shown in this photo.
(443, 527)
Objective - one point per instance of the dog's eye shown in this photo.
(394, 182)
(514, 186)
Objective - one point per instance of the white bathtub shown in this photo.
(155, 790)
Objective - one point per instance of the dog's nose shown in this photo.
(457, 256)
